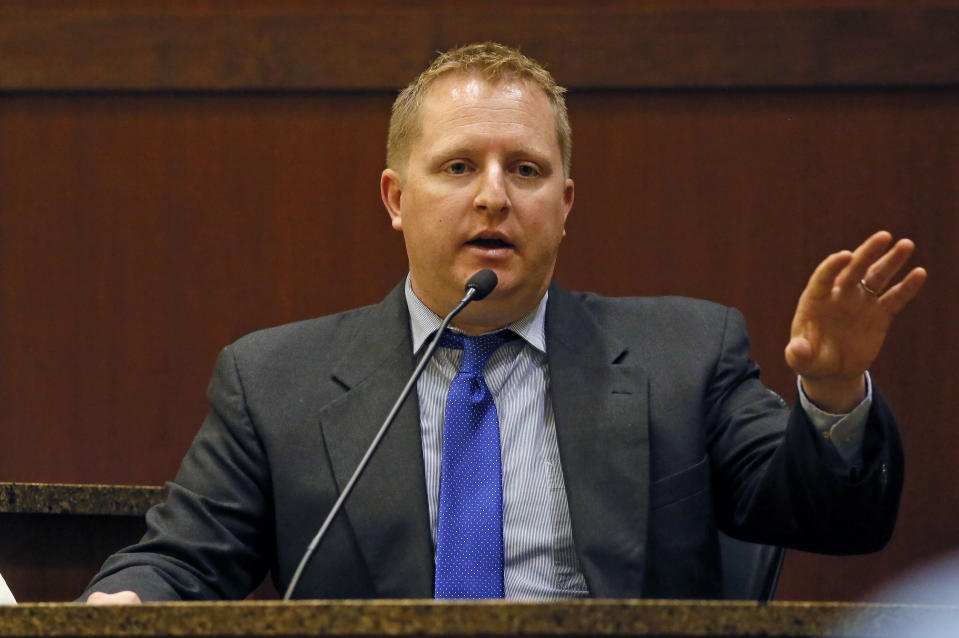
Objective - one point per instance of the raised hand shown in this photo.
(843, 316)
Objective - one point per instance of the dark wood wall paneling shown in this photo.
(382, 45)
(172, 178)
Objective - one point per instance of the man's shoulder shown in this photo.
(297, 333)
(672, 325)
(665, 310)
(324, 338)
(660, 330)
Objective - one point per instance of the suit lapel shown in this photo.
(600, 400)
(387, 510)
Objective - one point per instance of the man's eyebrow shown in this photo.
(530, 152)
(452, 151)
(465, 150)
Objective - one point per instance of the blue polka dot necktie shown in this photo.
(469, 537)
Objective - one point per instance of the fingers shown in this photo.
(880, 273)
(824, 277)
(867, 254)
(119, 598)
(903, 292)
(875, 265)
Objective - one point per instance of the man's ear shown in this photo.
(391, 190)
(568, 193)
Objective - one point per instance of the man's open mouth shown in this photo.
(489, 242)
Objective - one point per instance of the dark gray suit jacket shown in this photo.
(665, 434)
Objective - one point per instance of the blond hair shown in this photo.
(495, 63)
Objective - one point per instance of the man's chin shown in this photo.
(511, 297)
(505, 287)
(513, 291)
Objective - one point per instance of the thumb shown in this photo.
(798, 354)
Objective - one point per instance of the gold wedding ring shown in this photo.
(865, 286)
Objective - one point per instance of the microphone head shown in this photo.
(483, 283)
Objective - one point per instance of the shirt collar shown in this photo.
(424, 322)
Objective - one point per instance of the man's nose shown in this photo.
(492, 197)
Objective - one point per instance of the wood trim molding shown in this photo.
(68, 498)
(377, 46)
(624, 618)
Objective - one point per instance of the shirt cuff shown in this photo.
(844, 431)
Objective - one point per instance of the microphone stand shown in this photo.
(476, 288)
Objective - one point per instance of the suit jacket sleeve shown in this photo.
(207, 541)
(682, 438)
(292, 410)
(804, 496)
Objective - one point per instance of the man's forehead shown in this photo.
(446, 113)
(461, 99)
(466, 87)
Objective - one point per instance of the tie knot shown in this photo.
(476, 350)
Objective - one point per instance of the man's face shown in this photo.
(483, 188)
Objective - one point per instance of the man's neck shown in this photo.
(488, 315)
(423, 320)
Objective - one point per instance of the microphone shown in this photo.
(482, 283)
(478, 287)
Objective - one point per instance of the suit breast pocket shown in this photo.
(683, 558)
(680, 485)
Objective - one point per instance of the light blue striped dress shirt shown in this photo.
(540, 561)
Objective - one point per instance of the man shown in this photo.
(631, 429)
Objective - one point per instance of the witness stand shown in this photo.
(54, 537)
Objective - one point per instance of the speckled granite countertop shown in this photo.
(490, 618)
(62, 498)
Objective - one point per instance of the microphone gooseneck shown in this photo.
(478, 287)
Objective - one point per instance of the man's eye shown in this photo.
(527, 170)
(456, 168)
